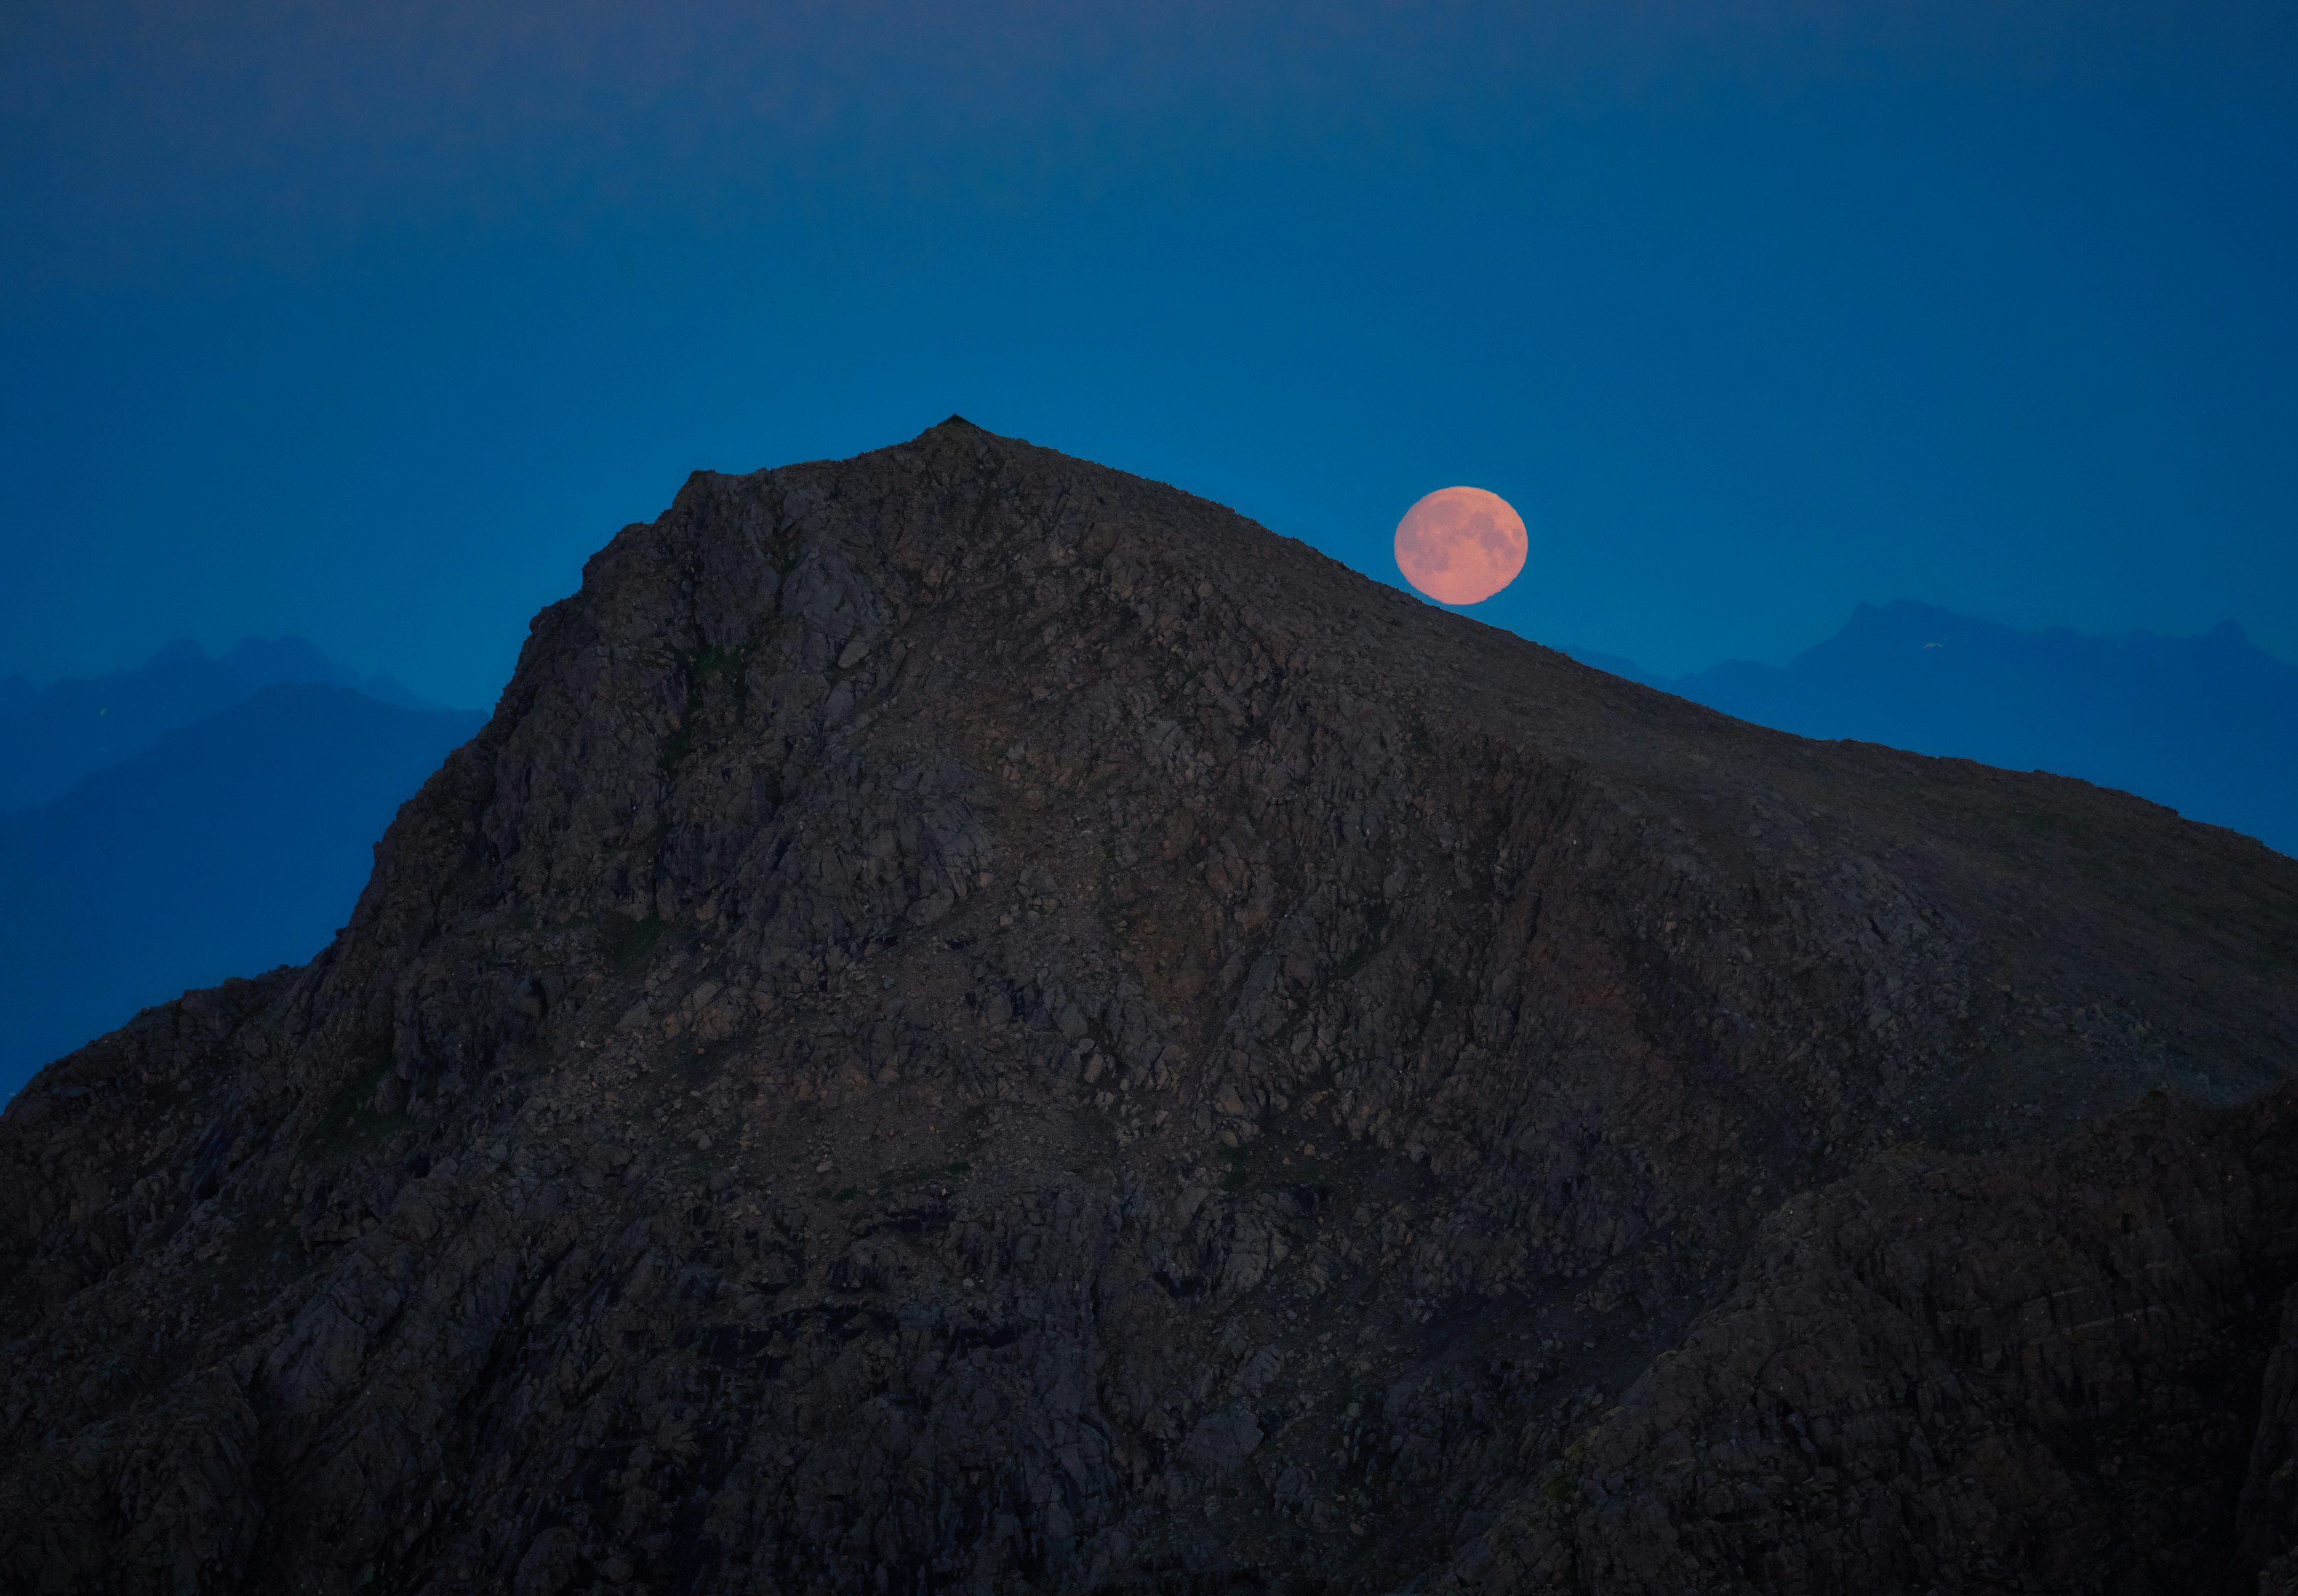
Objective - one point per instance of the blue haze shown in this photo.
(2207, 725)
(219, 848)
(370, 323)
(52, 736)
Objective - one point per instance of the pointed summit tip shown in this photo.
(966, 436)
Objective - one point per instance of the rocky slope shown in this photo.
(976, 1023)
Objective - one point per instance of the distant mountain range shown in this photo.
(50, 736)
(2207, 725)
(211, 824)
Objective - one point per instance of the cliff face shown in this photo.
(973, 1023)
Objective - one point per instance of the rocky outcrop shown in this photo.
(2069, 1371)
(973, 1023)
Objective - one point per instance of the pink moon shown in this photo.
(1461, 545)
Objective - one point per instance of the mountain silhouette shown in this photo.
(50, 736)
(972, 1022)
(2208, 724)
(228, 846)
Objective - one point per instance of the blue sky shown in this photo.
(370, 323)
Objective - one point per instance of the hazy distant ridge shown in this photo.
(223, 847)
(50, 736)
(2207, 724)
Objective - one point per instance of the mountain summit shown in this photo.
(976, 1023)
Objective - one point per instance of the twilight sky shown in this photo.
(372, 322)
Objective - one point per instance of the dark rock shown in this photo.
(972, 1022)
(2066, 1371)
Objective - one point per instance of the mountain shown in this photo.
(50, 736)
(973, 1023)
(2207, 724)
(234, 844)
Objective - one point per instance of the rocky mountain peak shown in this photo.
(973, 1021)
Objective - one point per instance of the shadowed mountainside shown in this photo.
(972, 1022)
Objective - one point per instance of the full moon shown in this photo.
(1461, 545)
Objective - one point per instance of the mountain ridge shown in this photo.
(54, 735)
(973, 1021)
(232, 844)
(2207, 724)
